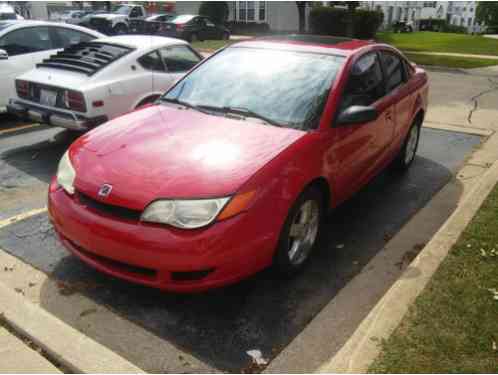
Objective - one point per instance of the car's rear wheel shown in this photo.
(300, 232)
(407, 153)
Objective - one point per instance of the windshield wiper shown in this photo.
(243, 112)
(185, 104)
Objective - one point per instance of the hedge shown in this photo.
(237, 27)
(334, 21)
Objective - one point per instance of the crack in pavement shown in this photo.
(475, 97)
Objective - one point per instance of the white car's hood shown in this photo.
(59, 78)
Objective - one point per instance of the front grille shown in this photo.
(101, 25)
(109, 209)
(114, 264)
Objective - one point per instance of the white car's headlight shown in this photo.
(187, 214)
(66, 174)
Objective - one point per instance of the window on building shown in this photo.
(262, 10)
(250, 11)
(242, 10)
(462, 21)
(469, 22)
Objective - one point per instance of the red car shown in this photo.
(235, 167)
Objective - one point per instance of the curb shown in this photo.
(363, 347)
(71, 348)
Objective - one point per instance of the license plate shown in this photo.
(48, 98)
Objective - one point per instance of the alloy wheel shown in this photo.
(303, 232)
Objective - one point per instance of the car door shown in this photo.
(399, 92)
(356, 148)
(25, 48)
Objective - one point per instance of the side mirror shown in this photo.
(357, 114)
(4, 55)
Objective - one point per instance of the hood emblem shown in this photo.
(105, 190)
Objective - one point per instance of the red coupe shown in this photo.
(234, 168)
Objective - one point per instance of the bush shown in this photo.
(431, 25)
(237, 27)
(217, 11)
(335, 21)
(454, 29)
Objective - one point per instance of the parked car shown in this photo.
(152, 24)
(23, 44)
(74, 17)
(92, 82)
(8, 13)
(192, 28)
(237, 164)
(118, 21)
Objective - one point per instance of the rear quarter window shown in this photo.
(178, 58)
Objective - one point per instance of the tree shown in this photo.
(217, 11)
(301, 10)
(487, 13)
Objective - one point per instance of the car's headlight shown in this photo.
(186, 214)
(66, 174)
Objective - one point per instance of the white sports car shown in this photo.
(90, 83)
(23, 44)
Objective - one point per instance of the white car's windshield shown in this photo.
(123, 9)
(284, 88)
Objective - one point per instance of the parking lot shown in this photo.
(213, 331)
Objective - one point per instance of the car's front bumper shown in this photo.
(55, 117)
(156, 255)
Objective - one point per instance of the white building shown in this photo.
(461, 13)
(280, 15)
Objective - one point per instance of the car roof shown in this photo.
(141, 42)
(332, 45)
(17, 24)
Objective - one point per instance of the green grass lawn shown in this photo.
(441, 42)
(453, 325)
(451, 61)
(210, 45)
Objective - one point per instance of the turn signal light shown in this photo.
(237, 204)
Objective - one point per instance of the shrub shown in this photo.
(237, 27)
(431, 25)
(454, 29)
(217, 11)
(335, 21)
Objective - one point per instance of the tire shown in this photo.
(193, 38)
(120, 29)
(407, 153)
(293, 252)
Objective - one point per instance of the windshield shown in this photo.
(8, 16)
(123, 9)
(182, 19)
(286, 88)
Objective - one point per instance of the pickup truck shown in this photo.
(117, 22)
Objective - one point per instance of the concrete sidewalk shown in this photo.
(17, 357)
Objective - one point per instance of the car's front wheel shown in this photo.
(120, 29)
(300, 232)
(407, 153)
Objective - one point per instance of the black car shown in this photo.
(151, 24)
(192, 28)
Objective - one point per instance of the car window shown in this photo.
(151, 61)
(200, 22)
(209, 23)
(136, 12)
(26, 40)
(365, 84)
(65, 37)
(178, 58)
(394, 70)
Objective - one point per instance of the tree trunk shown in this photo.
(301, 10)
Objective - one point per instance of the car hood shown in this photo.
(165, 151)
(109, 16)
